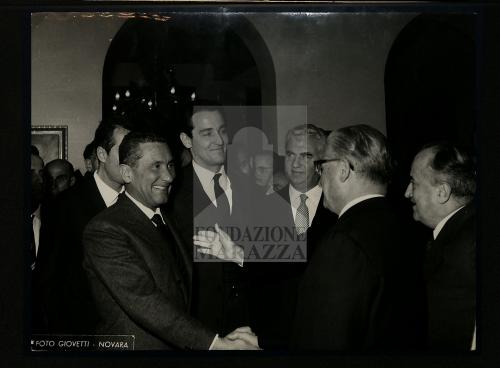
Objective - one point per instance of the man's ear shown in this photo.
(126, 172)
(186, 140)
(101, 153)
(443, 192)
(344, 171)
(72, 181)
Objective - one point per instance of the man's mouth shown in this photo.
(160, 187)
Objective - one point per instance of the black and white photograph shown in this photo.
(255, 181)
(263, 180)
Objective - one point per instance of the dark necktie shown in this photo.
(222, 202)
(172, 244)
(32, 244)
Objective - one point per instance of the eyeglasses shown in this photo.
(318, 164)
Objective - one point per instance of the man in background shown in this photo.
(207, 195)
(441, 189)
(90, 158)
(71, 310)
(297, 206)
(59, 176)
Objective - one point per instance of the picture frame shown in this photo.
(51, 141)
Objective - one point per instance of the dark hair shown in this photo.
(186, 124)
(104, 132)
(89, 151)
(129, 151)
(453, 165)
(365, 148)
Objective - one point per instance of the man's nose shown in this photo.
(168, 175)
(408, 191)
(218, 139)
(297, 161)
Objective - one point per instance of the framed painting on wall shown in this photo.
(51, 141)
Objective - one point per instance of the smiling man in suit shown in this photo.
(139, 273)
(441, 189)
(207, 195)
(67, 293)
(357, 292)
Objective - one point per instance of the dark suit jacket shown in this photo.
(358, 291)
(450, 274)
(274, 285)
(219, 288)
(69, 304)
(138, 286)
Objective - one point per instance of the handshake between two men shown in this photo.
(240, 339)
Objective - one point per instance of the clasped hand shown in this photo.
(240, 339)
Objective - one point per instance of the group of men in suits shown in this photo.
(141, 249)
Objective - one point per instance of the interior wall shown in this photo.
(329, 69)
(330, 66)
(67, 58)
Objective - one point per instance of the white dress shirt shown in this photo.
(441, 223)
(358, 200)
(107, 193)
(207, 182)
(37, 224)
(146, 210)
(312, 201)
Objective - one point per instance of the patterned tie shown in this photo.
(302, 216)
(221, 198)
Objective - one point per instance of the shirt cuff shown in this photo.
(240, 256)
(213, 342)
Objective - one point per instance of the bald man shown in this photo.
(59, 176)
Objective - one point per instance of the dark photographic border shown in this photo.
(15, 25)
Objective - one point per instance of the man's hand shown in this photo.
(240, 339)
(218, 244)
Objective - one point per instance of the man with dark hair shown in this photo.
(59, 176)
(205, 196)
(441, 189)
(71, 309)
(139, 272)
(357, 292)
(90, 157)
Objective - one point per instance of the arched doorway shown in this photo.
(156, 66)
(430, 89)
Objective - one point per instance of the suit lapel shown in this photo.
(285, 194)
(95, 202)
(154, 242)
(200, 199)
(436, 248)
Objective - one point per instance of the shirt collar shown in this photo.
(206, 176)
(358, 200)
(441, 223)
(314, 194)
(108, 194)
(146, 210)
(37, 212)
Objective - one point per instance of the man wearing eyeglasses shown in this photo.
(356, 293)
